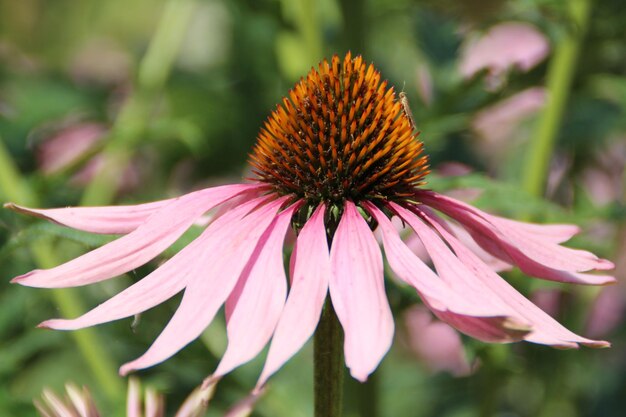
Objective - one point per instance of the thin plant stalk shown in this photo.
(131, 123)
(561, 72)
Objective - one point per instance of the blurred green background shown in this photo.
(117, 101)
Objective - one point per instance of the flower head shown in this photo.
(334, 162)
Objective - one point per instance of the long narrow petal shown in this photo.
(309, 286)
(412, 270)
(533, 249)
(545, 329)
(214, 277)
(556, 233)
(504, 325)
(158, 286)
(493, 262)
(105, 220)
(357, 290)
(260, 300)
(136, 248)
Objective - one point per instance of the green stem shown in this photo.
(368, 393)
(354, 30)
(14, 188)
(328, 360)
(132, 121)
(561, 71)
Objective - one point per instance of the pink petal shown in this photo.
(136, 248)
(545, 329)
(258, 299)
(357, 291)
(436, 292)
(214, 277)
(158, 286)
(105, 220)
(502, 326)
(112, 219)
(533, 248)
(309, 285)
(496, 264)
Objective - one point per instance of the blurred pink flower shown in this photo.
(438, 345)
(607, 312)
(332, 190)
(72, 143)
(548, 299)
(68, 145)
(128, 180)
(504, 46)
(497, 124)
(603, 178)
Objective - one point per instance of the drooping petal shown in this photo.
(534, 248)
(358, 294)
(545, 329)
(259, 300)
(309, 286)
(213, 278)
(493, 262)
(501, 325)
(158, 286)
(136, 248)
(438, 294)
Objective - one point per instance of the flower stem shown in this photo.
(561, 71)
(328, 373)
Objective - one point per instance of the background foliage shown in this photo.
(177, 91)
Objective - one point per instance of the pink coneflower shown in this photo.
(334, 162)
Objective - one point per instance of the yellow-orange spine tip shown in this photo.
(341, 134)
